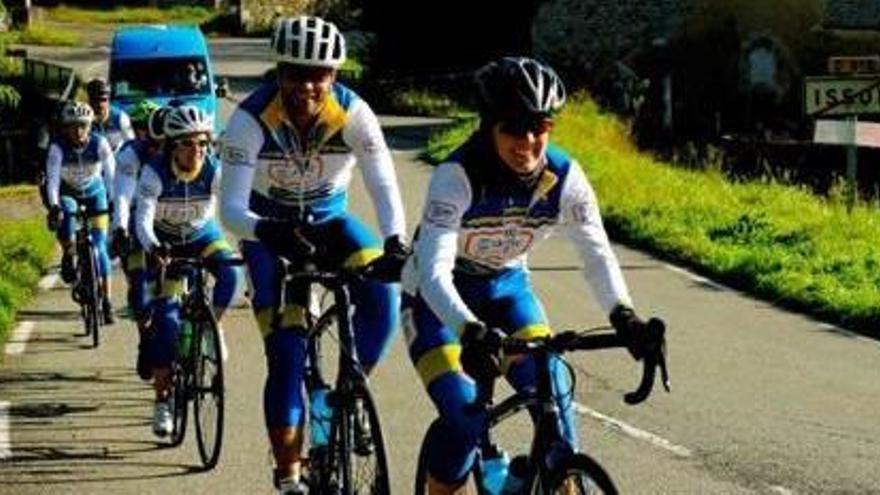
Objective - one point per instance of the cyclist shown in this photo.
(79, 170)
(467, 285)
(110, 121)
(288, 154)
(146, 119)
(176, 202)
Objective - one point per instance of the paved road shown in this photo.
(764, 401)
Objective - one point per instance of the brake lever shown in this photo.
(652, 361)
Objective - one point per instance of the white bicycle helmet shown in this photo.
(76, 112)
(307, 40)
(187, 119)
(519, 87)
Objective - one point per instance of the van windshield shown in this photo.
(166, 77)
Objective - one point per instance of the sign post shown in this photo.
(846, 96)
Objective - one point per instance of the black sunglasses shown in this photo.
(523, 127)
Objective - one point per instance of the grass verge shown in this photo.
(25, 248)
(130, 15)
(40, 34)
(779, 242)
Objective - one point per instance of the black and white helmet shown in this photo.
(308, 40)
(77, 112)
(187, 119)
(156, 123)
(517, 87)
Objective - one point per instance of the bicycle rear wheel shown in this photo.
(88, 294)
(208, 389)
(578, 475)
(179, 401)
(358, 448)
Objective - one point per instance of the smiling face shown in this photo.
(304, 89)
(77, 134)
(189, 151)
(521, 144)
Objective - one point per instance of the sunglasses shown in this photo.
(191, 143)
(521, 128)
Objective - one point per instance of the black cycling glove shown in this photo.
(631, 329)
(387, 267)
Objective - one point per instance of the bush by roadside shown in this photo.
(778, 242)
(129, 15)
(26, 247)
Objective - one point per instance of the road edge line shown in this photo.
(634, 432)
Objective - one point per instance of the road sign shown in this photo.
(835, 95)
(867, 64)
(847, 132)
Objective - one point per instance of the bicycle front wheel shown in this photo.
(358, 447)
(578, 475)
(208, 389)
(180, 407)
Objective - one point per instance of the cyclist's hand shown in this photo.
(120, 243)
(158, 255)
(283, 237)
(54, 218)
(387, 267)
(481, 349)
(632, 329)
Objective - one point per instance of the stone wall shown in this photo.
(582, 36)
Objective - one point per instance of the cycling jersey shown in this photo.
(270, 172)
(78, 172)
(477, 224)
(117, 128)
(173, 208)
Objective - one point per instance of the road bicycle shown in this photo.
(197, 369)
(353, 461)
(86, 290)
(544, 470)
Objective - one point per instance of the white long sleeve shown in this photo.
(364, 135)
(449, 196)
(241, 145)
(53, 174)
(128, 165)
(108, 165)
(583, 223)
(148, 191)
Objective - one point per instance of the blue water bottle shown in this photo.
(185, 342)
(517, 473)
(495, 468)
(320, 415)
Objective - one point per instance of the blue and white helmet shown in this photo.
(77, 112)
(308, 40)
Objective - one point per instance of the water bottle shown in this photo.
(517, 473)
(495, 468)
(320, 415)
(185, 343)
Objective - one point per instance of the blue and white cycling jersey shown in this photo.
(130, 159)
(269, 171)
(172, 207)
(474, 224)
(78, 172)
(117, 129)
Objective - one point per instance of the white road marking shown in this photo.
(5, 440)
(695, 277)
(634, 432)
(781, 490)
(18, 339)
(49, 282)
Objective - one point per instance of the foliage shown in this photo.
(25, 248)
(128, 15)
(778, 242)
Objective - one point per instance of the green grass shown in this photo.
(25, 248)
(17, 191)
(427, 103)
(778, 242)
(130, 15)
(40, 34)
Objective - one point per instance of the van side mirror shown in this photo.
(222, 87)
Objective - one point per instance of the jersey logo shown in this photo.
(581, 212)
(441, 214)
(179, 213)
(234, 156)
(290, 174)
(495, 247)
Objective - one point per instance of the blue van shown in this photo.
(163, 63)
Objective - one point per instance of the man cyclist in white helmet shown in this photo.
(79, 170)
(110, 121)
(176, 205)
(288, 154)
(467, 285)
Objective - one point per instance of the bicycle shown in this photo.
(575, 472)
(86, 290)
(354, 460)
(197, 369)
